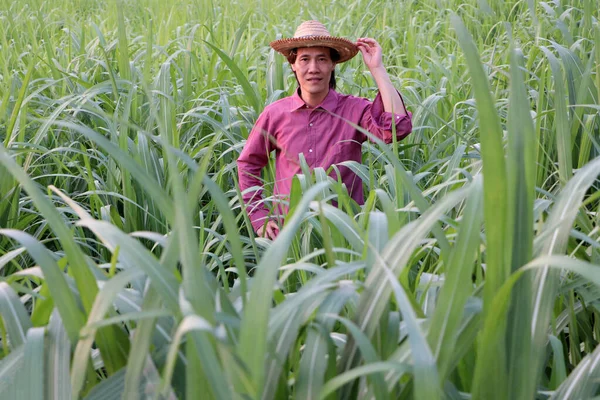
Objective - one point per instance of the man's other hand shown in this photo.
(371, 51)
(270, 231)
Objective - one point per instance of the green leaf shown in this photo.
(249, 91)
(18, 107)
(364, 370)
(395, 256)
(31, 381)
(346, 225)
(11, 369)
(521, 174)
(559, 369)
(16, 318)
(553, 240)
(458, 284)
(252, 343)
(494, 172)
(58, 360)
(424, 367)
(188, 324)
(123, 53)
(582, 382)
(56, 282)
(102, 305)
(113, 387)
(561, 117)
(79, 264)
(140, 346)
(313, 364)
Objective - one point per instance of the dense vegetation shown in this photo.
(128, 269)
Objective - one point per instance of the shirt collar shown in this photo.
(328, 104)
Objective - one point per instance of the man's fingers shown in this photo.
(269, 231)
(272, 230)
(369, 41)
(273, 234)
(275, 231)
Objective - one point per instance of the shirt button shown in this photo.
(310, 150)
(310, 124)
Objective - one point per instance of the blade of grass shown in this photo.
(30, 382)
(79, 264)
(18, 107)
(396, 255)
(123, 53)
(101, 306)
(494, 168)
(249, 92)
(11, 367)
(563, 134)
(58, 357)
(15, 316)
(58, 287)
(252, 343)
(313, 363)
(521, 183)
(458, 284)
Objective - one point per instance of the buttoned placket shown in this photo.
(311, 136)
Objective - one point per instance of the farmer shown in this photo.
(314, 120)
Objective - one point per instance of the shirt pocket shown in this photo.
(342, 151)
(293, 144)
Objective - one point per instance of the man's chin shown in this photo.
(315, 89)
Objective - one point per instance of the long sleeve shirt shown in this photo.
(322, 134)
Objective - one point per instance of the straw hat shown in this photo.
(314, 34)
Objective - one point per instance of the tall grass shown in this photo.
(128, 268)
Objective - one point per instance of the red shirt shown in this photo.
(290, 127)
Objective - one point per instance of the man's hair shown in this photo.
(335, 56)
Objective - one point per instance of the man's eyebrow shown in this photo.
(323, 54)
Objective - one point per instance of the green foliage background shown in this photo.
(128, 269)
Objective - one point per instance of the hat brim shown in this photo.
(345, 48)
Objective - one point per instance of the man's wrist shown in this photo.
(381, 76)
(378, 70)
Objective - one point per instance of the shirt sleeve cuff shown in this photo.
(385, 120)
(258, 217)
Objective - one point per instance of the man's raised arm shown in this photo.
(372, 56)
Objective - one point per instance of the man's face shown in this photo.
(313, 68)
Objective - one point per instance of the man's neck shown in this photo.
(313, 100)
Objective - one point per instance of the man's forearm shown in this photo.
(389, 95)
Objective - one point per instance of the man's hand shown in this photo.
(372, 56)
(271, 230)
(371, 52)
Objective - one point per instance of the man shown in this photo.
(313, 121)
